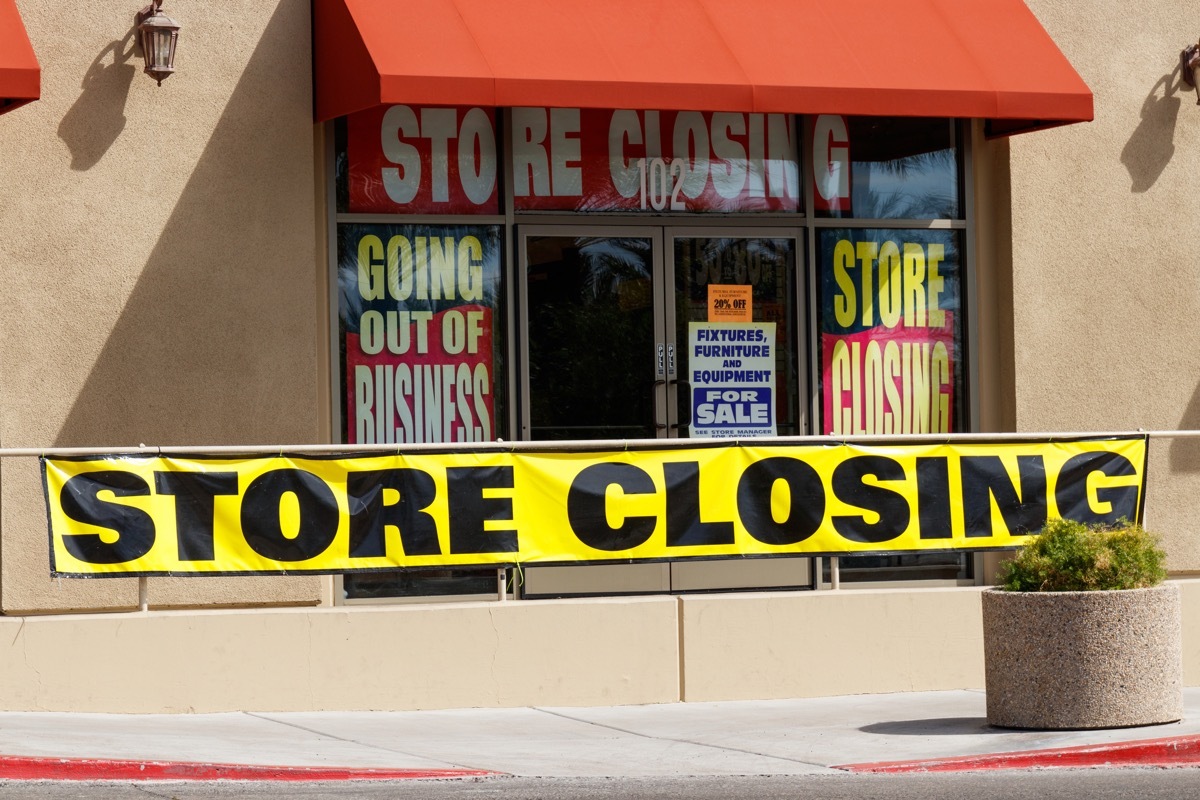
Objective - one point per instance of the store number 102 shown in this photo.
(661, 184)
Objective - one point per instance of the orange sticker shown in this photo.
(730, 303)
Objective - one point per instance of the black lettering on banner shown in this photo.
(984, 478)
(806, 507)
(933, 498)
(892, 507)
(1071, 490)
(195, 508)
(370, 516)
(586, 507)
(81, 502)
(262, 526)
(684, 526)
(469, 509)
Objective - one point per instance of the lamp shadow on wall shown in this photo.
(217, 341)
(1152, 144)
(1185, 453)
(97, 118)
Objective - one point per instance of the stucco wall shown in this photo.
(601, 651)
(1106, 250)
(817, 644)
(161, 264)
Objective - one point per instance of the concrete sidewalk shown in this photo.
(784, 737)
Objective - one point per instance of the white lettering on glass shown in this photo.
(477, 136)
(401, 184)
(831, 159)
(530, 161)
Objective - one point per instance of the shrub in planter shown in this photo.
(1069, 556)
(1083, 633)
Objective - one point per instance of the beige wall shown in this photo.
(817, 644)
(160, 259)
(566, 652)
(163, 259)
(1105, 251)
(605, 651)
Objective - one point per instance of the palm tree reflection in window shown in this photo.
(902, 169)
(591, 326)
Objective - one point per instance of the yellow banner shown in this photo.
(135, 515)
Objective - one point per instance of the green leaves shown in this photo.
(1069, 556)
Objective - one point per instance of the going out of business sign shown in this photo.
(137, 515)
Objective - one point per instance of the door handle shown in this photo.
(661, 380)
(686, 388)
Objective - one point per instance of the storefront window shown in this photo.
(421, 336)
(884, 168)
(590, 302)
(890, 310)
(606, 221)
(891, 331)
(765, 269)
(457, 582)
(419, 160)
(601, 160)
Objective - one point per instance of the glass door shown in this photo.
(594, 328)
(756, 268)
(606, 347)
(608, 315)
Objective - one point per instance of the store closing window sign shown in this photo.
(418, 307)
(405, 159)
(891, 331)
(414, 160)
(137, 515)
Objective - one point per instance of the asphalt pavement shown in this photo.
(916, 731)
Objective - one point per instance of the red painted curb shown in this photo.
(1178, 751)
(24, 768)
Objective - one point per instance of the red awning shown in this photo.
(987, 59)
(20, 75)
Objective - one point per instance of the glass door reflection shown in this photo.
(767, 265)
(592, 329)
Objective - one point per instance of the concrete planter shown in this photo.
(1069, 660)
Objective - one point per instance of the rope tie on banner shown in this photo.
(518, 576)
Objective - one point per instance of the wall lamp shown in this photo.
(157, 34)
(1189, 60)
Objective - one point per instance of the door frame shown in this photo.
(800, 287)
(662, 234)
(524, 232)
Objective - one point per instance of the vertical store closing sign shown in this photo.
(891, 331)
(418, 306)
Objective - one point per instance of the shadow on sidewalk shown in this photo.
(938, 726)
